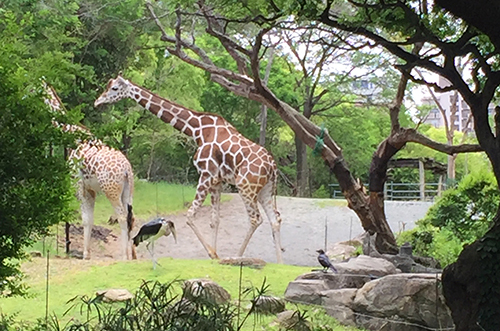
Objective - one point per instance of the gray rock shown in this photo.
(205, 289)
(291, 320)
(265, 304)
(338, 304)
(339, 252)
(410, 298)
(305, 291)
(244, 261)
(367, 265)
(115, 295)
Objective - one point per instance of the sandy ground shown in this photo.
(302, 230)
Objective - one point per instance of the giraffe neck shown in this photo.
(185, 120)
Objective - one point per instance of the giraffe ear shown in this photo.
(120, 73)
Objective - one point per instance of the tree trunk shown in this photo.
(263, 109)
(471, 285)
(301, 167)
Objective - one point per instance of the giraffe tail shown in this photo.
(130, 226)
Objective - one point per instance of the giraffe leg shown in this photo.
(121, 215)
(87, 198)
(267, 202)
(250, 201)
(215, 199)
(201, 194)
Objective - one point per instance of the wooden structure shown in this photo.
(422, 164)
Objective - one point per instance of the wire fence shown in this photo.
(400, 191)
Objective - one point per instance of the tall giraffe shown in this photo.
(223, 155)
(100, 169)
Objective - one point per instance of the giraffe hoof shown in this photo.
(213, 255)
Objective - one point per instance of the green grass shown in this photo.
(150, 200)
(70, 278)
(331, 203)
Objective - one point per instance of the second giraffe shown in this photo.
(223, 155)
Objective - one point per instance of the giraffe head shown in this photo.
(116, 90)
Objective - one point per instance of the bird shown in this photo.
(151, 231)
(325, 261)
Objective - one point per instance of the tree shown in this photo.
(246, 81)
(35, 186)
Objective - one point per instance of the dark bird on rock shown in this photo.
(153, 230)
(325, 261)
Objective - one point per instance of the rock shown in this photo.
(245, 261)
(408, 298)
(338, 304)
(308, 288)
(115, 295)
(292, 320)
(366, 265)
(305, 291)
(341, 251)
(334, 281)
(265, 304)
(205, 289)
(36, 254)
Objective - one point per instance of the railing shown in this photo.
(400, 191)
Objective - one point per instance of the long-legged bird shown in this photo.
(325, 261)
(153, 230)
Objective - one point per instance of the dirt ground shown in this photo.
(305, 223)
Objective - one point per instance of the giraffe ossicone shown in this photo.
(223, 155)
(100, 168)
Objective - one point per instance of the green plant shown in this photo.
(467, 210)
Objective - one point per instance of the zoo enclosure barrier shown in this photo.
(401, 191)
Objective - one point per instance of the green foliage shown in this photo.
(459, 217)
(321, 193)
(428, 240)
(469, 209)
(35, 186)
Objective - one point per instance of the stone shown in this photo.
(36, 254)
(265, 304)
(339, 252)
(291, 320)
(244, 261)
(205, 289)
(408, 298)
(306, 291)
(367, 265)
(115, 295)
(338, 304)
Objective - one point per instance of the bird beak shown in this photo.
(174, 233)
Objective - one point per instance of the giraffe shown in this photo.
(100, 168)
(223, 155)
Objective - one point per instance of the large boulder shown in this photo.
(309, 287)
(338, 304)
(408, 300)
(367, 265)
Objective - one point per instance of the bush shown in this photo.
(468, 209)
(459, 217)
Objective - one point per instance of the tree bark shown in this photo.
(301, 167)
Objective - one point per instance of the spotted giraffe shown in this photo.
(223, 155)
(100, 168)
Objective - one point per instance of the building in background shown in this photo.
(462, 121)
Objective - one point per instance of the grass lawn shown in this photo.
(69, 278)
